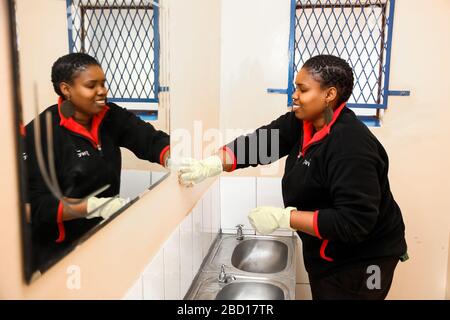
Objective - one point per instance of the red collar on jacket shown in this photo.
(309, 138)
(72, 125)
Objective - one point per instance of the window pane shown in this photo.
(120, 34)
(353, 30)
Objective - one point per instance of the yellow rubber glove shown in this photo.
(192, 171)
(268, 219)
(104, 207)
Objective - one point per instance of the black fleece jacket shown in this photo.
(341, 174)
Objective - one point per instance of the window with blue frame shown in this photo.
(359, 31)
(124, 37)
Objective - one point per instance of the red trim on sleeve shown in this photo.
(322, 251)
(232, 155)
(59, 221)
(324, 242)
(162, 154)
(22, 130)
(316, 225)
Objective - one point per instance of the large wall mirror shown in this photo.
(92, 112)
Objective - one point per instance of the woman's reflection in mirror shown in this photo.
(88, 132)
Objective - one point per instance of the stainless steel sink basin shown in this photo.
(255, 267)
(250, 291)
(260, 256)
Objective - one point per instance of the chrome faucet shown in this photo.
(223, 277)
(239, 234)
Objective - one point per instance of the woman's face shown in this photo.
(309, 98)
(87, 91)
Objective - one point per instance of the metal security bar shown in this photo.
(359, 31)
(124, 37)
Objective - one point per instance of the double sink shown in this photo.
(248, 267)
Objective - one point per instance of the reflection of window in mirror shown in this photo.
(91, 152)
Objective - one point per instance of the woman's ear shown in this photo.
(331, 94)
(65, 89)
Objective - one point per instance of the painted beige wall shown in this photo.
(415, 129)
(138, 233)
(254, 58)
(41, 41)
(416, 135)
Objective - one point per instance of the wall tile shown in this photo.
(237, 198)
(197, 222)
(153, 278)
(172, 266)
(156, 176)
(215, 198)
(268, 192)
(133, 183)
(186, 254)
(207, 221)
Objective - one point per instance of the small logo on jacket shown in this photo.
(81, 154)
(306, 162)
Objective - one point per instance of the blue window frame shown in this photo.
(359, 31)
(124, 38)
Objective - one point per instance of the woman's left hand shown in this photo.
(267, 219)
(104, 207)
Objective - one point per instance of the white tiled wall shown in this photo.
(172, 278)
(135, 182)
(215, 215)
(153, 278)
(268, 192)
(170, 273)
(237, 198)
(186, 253)
(207, 222)
(197, 221)
(155, 176)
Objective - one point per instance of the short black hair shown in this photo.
(332, 71)
(66, 68)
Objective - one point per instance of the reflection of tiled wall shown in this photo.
(155, 176)
(135, 182)
(241, 194)
(172, 269)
